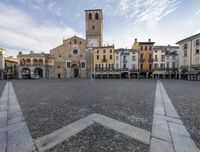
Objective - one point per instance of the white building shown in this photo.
(126, 61)
(189, 57)
(165, 62)
(2, 64)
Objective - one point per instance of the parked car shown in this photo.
(35, 77)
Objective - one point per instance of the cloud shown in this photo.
(21, 31)
(56, 10)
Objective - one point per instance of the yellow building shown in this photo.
(103, 60)
(145, 57)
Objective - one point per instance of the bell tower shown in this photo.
(94, 27)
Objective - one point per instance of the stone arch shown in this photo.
(22, 61)
(75, 70)
(90, 16)
(96, 16)
(35, 62)
(41, 62)
(38, 72)
(28, 61)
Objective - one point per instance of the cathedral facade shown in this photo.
(72, 59)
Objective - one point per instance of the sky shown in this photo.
(41, 25)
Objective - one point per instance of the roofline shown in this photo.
(188, 38)
(93, 10)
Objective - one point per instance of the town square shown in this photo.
(113, 87)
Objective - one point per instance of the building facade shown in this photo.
(2, 64)
(189, 58)
(165, 61)
(103, 61)
(35, 64)
(11, 68)
(145, 57)
(126, 61)
(70, 58)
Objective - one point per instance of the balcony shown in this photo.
(195, 66)
(184, 66)
(142, 60)
(125, 61)
(104, 60)
(151, 60)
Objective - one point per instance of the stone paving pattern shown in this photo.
(14, 132)
(185, 96)
(97, 138)
(168, 132)
(49, 105)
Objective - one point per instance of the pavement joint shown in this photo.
(169, 128)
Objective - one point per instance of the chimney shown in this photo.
(135, 39)
(149, 40)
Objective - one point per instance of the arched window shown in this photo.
(75, 41)
(96, 16)
(90, 16)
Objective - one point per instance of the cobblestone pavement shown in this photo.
(185, 96)
(48, 105)
(97, 138)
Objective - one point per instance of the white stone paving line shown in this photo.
(14, 133)
(168, 132)
(52, 139)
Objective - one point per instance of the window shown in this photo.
(70, 42)
(167, 65)
(58, 67)
(150, 48)
(110, 50)
(162, 65)
(162, 58)
(141, 56)
(173, 57)
(97, 57)
(133, 66)
(60, 56)
(185, 52)
(185, 46)
(117, 58)
(133, 58)
(173, 65)
(75, 51)
(97, 51)
(110, 57)
(90, 16)
(149, 66)
(197, 42)
(104, 57)
(141, 66)
(145, 48)
(83, 65)
(124, 66)
(155, 65)
(141, 48)
(156, 57)
(156, 51)
(104, 51)
(150, 56)
(68, 64)
(96, 16)
(80, 42)
(93, 27)
(117, 66)
(75, 41)
(96, 65)
(197, 51)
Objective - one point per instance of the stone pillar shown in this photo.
(170, 74)
(147, 75)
